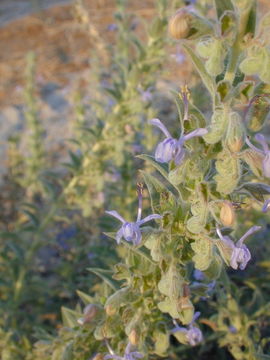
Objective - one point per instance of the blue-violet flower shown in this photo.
(170, 148)
(131, 230)
(240, 254)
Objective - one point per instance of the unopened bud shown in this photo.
(98, 357)
(134, 337)
(254, 161)
(185, 24)
(89, 313)
(257, 112)
(185, 303)
(110, 310)
(227, 213)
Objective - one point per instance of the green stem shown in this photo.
(233, 62)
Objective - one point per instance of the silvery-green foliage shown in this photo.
(35, 159)
(155, 287)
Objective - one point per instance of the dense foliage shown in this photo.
(192, 282)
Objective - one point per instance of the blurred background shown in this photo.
(78, 82)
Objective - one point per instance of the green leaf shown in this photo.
(258, 190)
(217, 129)
(169, 306)
(153, 243)
(203, 257)
(214, 270)
(120, 298)
(87, 299)
(199, 65)
(103, 274)
(161, 168)
(70, 317)
(68, 352)
(171, 283)
(155, 188)
(179, 173)
(222, 6)
(229, 172)
(252, 17)
(162, 342)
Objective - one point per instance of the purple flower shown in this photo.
(265, 152)
(179, 56)
(131, 230)
(192, 333)
(112, 27)
(266, 206)
(240, 254)
(170, 148)
(128, 355)
(146, 95)
(198, 275)
(232, 329)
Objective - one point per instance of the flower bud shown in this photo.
(235, 137)
(227, 214)
(185, 24)
(257, 112)
(90, 312)
(133, 337)
(98, 357)
(254, 161)
(110, 310)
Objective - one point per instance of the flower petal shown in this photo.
(116, 357)
(266, 164)
(197, 132)
(116, 215)
(179, 156)
(158, 123)
(149, 218)
(261, 139)
(194, 336)
(137, 238)
(195, 316)
(240, 256)
(119, 236)
(180, 329)
(266, 206)
(251, 231)
(165, 150)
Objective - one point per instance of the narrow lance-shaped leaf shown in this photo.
(199, 65)
(222, 6)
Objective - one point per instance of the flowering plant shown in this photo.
(201, 183)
